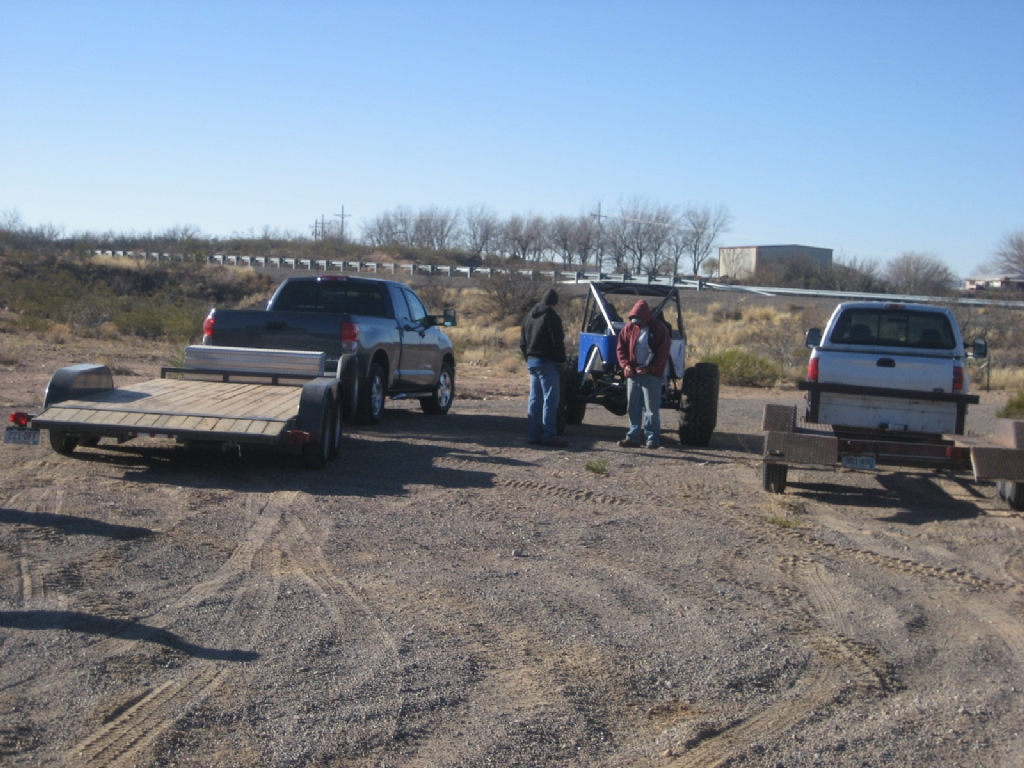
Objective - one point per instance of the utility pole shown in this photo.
(600, 238)
(343, 216)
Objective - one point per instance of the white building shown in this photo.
(744, 261)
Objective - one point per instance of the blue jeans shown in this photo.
(643, 396)
(542, 418)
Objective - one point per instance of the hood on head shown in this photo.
(642, 312)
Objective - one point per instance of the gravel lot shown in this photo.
(445, 595)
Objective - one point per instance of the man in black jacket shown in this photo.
(543, 346)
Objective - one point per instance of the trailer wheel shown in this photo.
(440, 402)
(773, 477)
(316, 454)
(62, 442)
(698, 406)
(334, 431)
(1012, 493)
(370, 408)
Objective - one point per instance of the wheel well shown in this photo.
(450, 359)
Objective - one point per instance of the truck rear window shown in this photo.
(894, 328)
(342, 297)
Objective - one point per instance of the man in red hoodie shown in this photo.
(643, 349)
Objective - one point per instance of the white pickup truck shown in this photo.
(887, 384)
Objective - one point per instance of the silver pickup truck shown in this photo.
(887, 384)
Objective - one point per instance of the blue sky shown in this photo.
(872, 128)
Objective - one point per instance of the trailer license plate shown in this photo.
(21, 436)
(859, 462)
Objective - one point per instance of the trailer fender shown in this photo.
(76, 381)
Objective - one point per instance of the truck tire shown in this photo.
(372, 392)
(574, 410)
(439, 403)
(317, 453)
(698, 406)
(62, 442)
(773, 477)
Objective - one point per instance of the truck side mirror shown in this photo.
(450, 319)
(980, 349)
(813, 338)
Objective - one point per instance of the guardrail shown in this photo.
(547, 275)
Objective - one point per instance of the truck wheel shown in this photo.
(371, 397)
(62, 442)
(317, 453)
(1012, 493)
(773, 477)
(698, 406)
(439, 403)
(573, 409)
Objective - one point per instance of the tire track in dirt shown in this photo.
(143, 717)
(561, 492)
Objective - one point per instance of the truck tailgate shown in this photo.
(883, 368)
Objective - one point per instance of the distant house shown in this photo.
(998, 283)
(747, 260)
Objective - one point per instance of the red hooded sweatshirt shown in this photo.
(658, 338)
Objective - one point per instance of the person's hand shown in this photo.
(627, 370)
(641, 370)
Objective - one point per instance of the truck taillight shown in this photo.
(208, 326)
(812, 369)
(349, 336)
(958, 378)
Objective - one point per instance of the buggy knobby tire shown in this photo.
(773, 477)
(573, 410)
(698, 405)
(440, 402)
(372, 392)
(62, 442)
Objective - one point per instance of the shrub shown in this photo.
(1014, 408)
(738, 368)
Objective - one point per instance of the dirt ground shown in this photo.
(445, 595)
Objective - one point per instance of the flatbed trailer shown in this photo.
(812, 445)
(221, 395)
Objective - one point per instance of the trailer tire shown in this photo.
(1012, 493)
(698, 406)
(773, 477)
(62, 442)
(440, 402)
(317, 453)
(334, 431)
(372, 391)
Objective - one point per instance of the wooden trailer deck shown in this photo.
(180, 407)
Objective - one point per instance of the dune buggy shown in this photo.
(595, 376)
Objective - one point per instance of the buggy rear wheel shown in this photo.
(698, 405)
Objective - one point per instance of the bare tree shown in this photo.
(645, 232)
(705, 225)
(919, 274)
(509, 293)
(851, 275)
(561, 234)
(1010, 254)
(482, 230)
(524, 238)
(586, 239)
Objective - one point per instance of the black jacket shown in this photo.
(543, 336)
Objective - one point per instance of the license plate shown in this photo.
(859, 462)
(21, 436)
